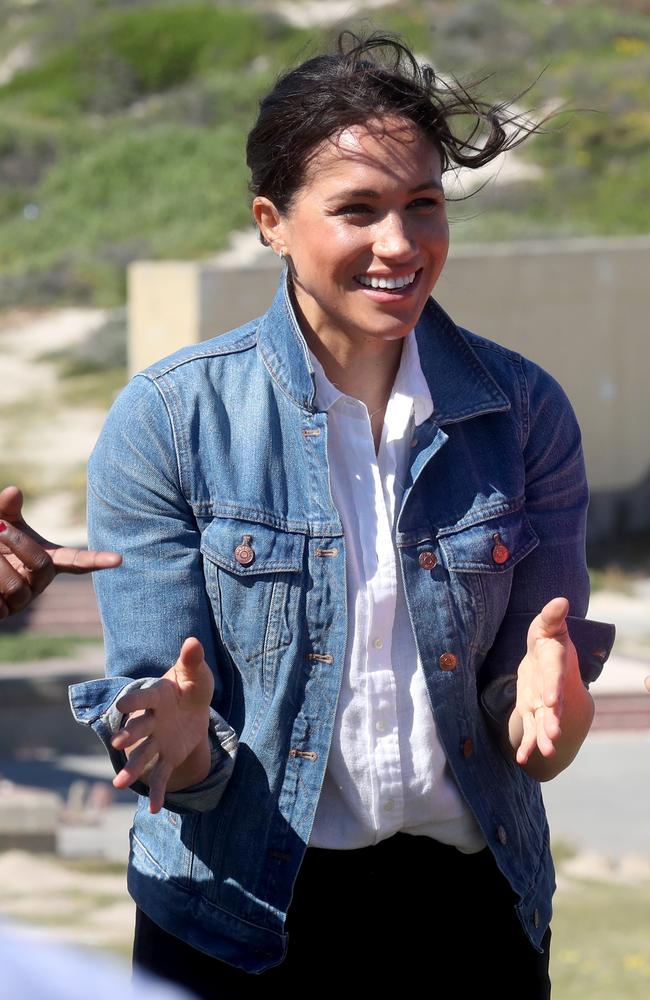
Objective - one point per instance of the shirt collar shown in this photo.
(462, 385)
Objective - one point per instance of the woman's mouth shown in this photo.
(392, 284)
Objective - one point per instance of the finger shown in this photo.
(545, 744)
(14, 590)
(32, 555)
(550, 623)
(136, 729)
(140, 699)
(552, 658)
(69, 560)
(158, 779)
(11, 503)
(191, 657)
(529, 739)
(553, 616)
(141, 758)
(647, 683)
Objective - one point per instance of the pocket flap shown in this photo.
(492, 546)
(248, 548)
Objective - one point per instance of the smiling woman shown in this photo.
(366, 235)
(362, 527)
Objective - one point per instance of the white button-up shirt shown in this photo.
(387, 770)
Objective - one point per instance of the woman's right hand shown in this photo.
(166, 737)
(29, 563)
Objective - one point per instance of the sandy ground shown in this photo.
(80, 907)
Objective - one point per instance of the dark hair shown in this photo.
(366, 79)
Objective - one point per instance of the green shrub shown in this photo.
(120, 56)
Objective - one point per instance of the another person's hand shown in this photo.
(549, 687)
(166, 735)
(28, 562)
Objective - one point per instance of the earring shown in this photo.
(282, 256)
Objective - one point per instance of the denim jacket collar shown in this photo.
(460, 384)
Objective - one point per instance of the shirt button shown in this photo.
(378, 643)
(448, 661)
(389, 805)
(414, 443)
(502, 835)
(468, 748)
(244, 554)
(380, 726)
(427, 560)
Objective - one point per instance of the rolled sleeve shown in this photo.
(94, 704)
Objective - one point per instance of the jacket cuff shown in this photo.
(498, 677)
(94, 704)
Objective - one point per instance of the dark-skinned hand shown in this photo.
(29, 563)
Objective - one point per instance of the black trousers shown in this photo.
(406, 912)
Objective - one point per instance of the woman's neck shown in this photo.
(367, 375)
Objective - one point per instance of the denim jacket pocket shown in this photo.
(481, 557)
(253, 574)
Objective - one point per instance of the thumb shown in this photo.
(550, 623)
(191, 657)
(552, 619)
(11, 503)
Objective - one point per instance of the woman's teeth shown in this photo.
(369, 282)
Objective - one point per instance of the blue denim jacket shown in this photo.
(221, 443)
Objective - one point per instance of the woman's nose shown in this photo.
(394, 238)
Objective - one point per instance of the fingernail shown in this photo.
(3, 526)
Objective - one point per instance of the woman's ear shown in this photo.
(269, 222)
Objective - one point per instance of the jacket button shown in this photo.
(468, 748)
(448, 661)
(502, 835)
(500, 552)
(244, 554)
(427, 560)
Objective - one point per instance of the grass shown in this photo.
(31, 647)
(601, 948)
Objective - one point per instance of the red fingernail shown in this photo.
(3, 526)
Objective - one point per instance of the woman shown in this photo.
(355, 522)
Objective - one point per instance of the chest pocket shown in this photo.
(481, 558)
(253, 574)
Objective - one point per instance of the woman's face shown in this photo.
(367, 233)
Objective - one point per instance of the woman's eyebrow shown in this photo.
(370, 193)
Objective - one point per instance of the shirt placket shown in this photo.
(382, 706)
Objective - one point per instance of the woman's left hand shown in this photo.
(547, 676)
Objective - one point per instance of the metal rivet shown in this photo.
(244, 554)
(468, 748)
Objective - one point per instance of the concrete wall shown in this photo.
(578, 307)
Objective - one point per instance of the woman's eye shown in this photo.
(425, 203)
(355, 210)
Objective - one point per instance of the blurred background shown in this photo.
(125, 232)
